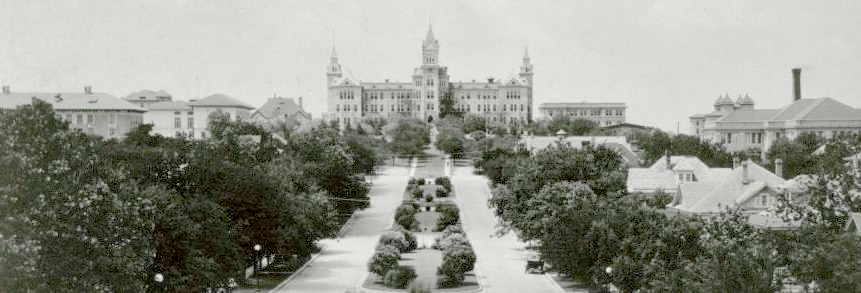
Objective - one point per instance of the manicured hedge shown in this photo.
(400, 277)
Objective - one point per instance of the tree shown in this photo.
(473, 122)
(450, 140)
(409, 137)
(447, 107)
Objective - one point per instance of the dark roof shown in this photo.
(220, 100)
(279, 107)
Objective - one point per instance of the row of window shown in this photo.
(491, 108)
(347, 96)
(380, 96)
(177, 122)
(90, 119)
(587, 112)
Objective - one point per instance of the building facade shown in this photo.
(604, 114)
(92, 112)
(190, 119)
(740, 127)
(507, 100)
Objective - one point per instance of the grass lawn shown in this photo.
(425, 262)
(427, 221)
(430, 167)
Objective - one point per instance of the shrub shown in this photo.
(447, 276)
(420, 181)
(441, 192)
(418, 193)
(462, 257)
(408, 222)
(405, 209)
(395, 238)
(419, 287)
(411, 238)
(382, 262)
(399, 277)
(428, 198)
(444, 243)
(444, 181)
(453, 229)
(449, 215)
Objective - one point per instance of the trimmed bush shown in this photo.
(382, 262)
(399, 277)
(420, 181)
(419, 287)
(418, 193)
(453, 229)
(411, 238)
(405, 217)
(395, 238)
(428, 198)
(405, 209)
(449, 215)
(442, 192)
(462, 257)
(445, 182)
(453, 239)
(447, 276)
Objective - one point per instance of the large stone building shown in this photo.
(94, 113)
(507, 100)
(741, 127)
(604, 114)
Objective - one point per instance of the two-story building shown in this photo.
(92, 112)
(190, 119)
(603, 114)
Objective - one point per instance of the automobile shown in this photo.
(534, 263)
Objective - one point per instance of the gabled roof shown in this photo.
(699, 198)
(69, 101)
(658, 176)
(148, 96)
(220, 100)
(749, 115)
(818, 109)
(278, 107)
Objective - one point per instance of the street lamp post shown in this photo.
(158, 279)
(256, 259)
(609, 271)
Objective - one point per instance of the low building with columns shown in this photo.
(507, 100)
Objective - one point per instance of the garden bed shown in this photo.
(425, 262)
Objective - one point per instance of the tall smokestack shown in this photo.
(796, 82)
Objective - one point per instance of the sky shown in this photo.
(667, 60)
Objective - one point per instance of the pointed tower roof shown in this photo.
(430, 42)
(334, 54)
(723, 100)
(526, 52)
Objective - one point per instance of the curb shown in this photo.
(299, 270)
(556, 285)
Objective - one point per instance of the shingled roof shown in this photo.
(220, 100)
(278, 106)
(69, 101)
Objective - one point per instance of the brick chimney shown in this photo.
(6, 89)
(735, 162)
(667, 160)
(300, 101)
(778, 168)
(88, 90)
(796, 83)
(744, 176)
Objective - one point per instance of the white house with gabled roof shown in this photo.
(190, 119)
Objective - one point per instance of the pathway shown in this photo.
(343, 263)
(501, 260)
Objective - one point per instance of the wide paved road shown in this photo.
(343, 263)
(500, 260)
